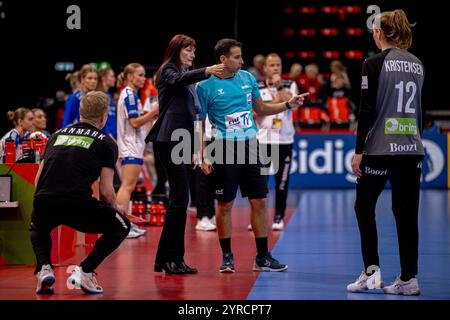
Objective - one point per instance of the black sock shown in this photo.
(85, 269)
(261, 247)
(225, 244)
(406, 278)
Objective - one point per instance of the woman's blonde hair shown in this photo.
(102, 74)
(17, 115)
(129, 69)
(74, 79)
(87, 68)
(396, 28)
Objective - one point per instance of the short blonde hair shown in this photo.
(94, 105)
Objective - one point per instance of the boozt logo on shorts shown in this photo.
(238, 120)
(219, 192)
(403, 147)
(74, 141)
(374, 172)
(400, 126)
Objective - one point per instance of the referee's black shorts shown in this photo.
(242, 171)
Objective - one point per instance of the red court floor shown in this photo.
(128, 273)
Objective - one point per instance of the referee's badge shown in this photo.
(249, 98)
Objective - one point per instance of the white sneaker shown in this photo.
(135, 232)
(249, 227)
(81, 280)
(278, 225)
(365, 282)
(205, 225)
(133, 235)
(213, 220)
(45, 279)
(407, 288)
(136, 229)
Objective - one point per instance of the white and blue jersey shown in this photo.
(229, 103)
(15, 135)
(129, 140)
(111, 123)
(72, 109)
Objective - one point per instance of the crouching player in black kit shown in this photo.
(389, 147)
(74, 159)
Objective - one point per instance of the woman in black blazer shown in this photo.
(178, 107)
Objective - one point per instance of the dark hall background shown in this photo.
(34, 36)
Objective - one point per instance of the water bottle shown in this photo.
(38, 146)
(10, 151)
(28, 151)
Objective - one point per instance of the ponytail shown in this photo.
(122, 78)
(396, 28)
(17, 115)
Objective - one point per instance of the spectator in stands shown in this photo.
(257, 70)
(339, 70)
(40, 122)
(294, 74)
(89, 78)
(313, 114)
(338, 102)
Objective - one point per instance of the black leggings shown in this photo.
(281, 176)
(205, 195)
(403, 172)
(86, 215)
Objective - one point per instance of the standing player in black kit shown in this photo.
(75, 158)
(389, 147)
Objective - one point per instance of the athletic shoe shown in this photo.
(81, 280)
(278, 224)
(45, 279)
(136, 229)
(227, 263)
(268, 263)
(133, 235)
(407, 288)
(365, 282)
(205, 225)
(249, 227)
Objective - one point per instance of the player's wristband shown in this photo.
(288, 106)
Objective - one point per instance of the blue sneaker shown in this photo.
(268, 263)
(227, 263)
